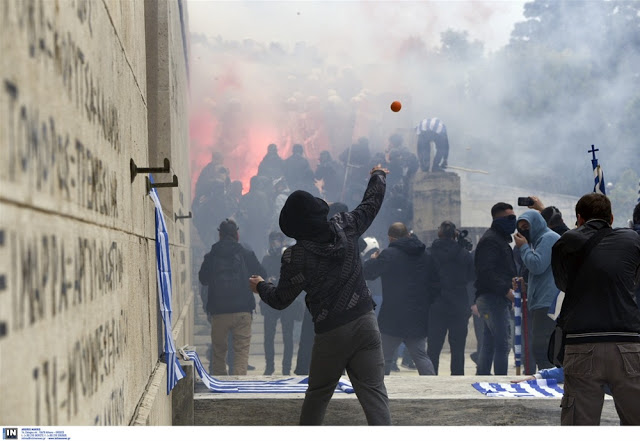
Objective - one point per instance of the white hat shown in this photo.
(372, 245)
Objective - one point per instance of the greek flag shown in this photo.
(174, 370)
(517, 342)
(431, 125)
(526, 389)
(287, 385)
(598, 180)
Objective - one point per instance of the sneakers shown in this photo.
(394, 367)
(268, 371)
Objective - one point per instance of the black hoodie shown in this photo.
(329, 270)
(408, 283)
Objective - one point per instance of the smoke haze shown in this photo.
(520, 101)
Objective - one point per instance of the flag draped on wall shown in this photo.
(174, 370)
(598, 180)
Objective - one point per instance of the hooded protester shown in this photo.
(297, 171)
(325, 263)
(408, 275)
(535, 241)
(451, 308)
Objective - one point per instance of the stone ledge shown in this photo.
(414, 401)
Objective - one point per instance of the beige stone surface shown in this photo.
(80, 329)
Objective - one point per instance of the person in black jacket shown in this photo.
(230, 304)
(287, 317)
(407, 274)
(495, 269)
(451, 309)
(599, 316)
(325, 263)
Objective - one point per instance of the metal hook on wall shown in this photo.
(182, 217)
(135, 169)
(174, 183)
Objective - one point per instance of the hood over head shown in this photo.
(304, 217)
(537, 224)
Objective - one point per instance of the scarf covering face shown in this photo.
(304, 217)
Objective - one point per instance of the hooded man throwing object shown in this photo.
(325, 263)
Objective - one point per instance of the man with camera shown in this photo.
(451, 309)
(598, 268)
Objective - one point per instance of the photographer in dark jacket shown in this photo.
(325, 263)
(599, 317)
(408, 279)
(451, 309)
(230, 304)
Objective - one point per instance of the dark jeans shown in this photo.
(415, 346)
(271, 318)
(355, 347)
(541, 328)
(496, 333)
(442, 320)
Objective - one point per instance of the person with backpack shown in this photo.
(230, 304)
(325, 263)
(598, 268)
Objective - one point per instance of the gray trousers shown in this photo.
(415, 346)
(588, 367)
(355, 347)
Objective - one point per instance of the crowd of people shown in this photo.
(358, 302)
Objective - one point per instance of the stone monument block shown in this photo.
(436, 198)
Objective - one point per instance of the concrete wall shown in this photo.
(80, 331)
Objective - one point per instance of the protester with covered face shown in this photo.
(535, 240)
(451, 309)
(495, 269)
(325, 263)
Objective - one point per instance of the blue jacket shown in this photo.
(536, 256)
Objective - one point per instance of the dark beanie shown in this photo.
(304, 217)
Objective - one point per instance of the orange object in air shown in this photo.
(396, 106)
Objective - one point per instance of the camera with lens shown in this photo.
(463, 241)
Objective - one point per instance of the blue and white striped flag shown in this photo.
(287, 385)
(431, 125)
(532, 388)
(598, 179)
(174, 370)
(517, 340)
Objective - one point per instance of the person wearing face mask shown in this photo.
(495, 269)
(534, 240)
